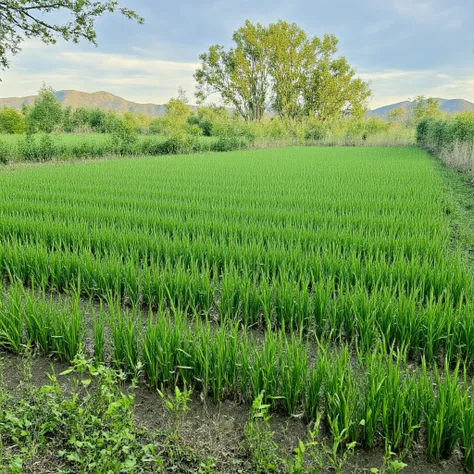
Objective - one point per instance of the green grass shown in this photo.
(317, 276)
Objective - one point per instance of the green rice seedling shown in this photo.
(123, 325)
(401, 411)
(223, 366)
(38, 320)
(264, 376)
(313, 392)
(154, 367)
(11, 320)
(467, 430)
(433, 331)
(321, 295)
(66, 330)
(371, 410)
(98, 333)
(293, 364)
(443, 408)
(342, 396)
(164, 349)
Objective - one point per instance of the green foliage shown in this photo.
(179, 143)
(396, 115)
(4, 152)
(46, 113)
(315, 130)
(38, 148)
(90, 430)
(451, 138)
(12, 121)
(206, 117)
(259, 438)
(281, 67)
(424, 107)
(124, 138)
(31, 19)
(443, 413)
(229, 143)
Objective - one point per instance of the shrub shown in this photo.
(12, 121)
(125, 138)
(4, 152)
(27, 148)
(229, 143)
(47, 149)
(180, 143)
(204, 123)
(315, 130)
(451, 138)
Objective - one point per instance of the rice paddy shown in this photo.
(324, 278)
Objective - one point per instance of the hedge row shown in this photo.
(47, 147)
(451, 138)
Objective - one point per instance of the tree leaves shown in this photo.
(280, 68)
(20, 19)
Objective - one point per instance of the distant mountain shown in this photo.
(449, 106)
(100, 100)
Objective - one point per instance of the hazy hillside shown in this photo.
(101, 100)
(449, 106)
(107, 101)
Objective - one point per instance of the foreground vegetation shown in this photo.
(450, 138)
(339, 299)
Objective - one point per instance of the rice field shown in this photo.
(324, 278)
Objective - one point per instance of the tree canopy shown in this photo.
(21, 19)
(46, 113)
(424, 107)
(279, 67)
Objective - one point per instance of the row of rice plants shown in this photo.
(430, 327)
(372, 398)
(350, 243)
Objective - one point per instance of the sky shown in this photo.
(404, 47)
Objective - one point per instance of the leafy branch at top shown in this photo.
(20, 19)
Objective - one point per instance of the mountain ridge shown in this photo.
(100, 99)
(108, 101)
(449, 106)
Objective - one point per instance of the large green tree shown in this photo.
(292, 56)
(240, 75)
(21, 19)
(279, 67)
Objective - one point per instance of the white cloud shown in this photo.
(137, 78)
(391, 74)
(429, 12)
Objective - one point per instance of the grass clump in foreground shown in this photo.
(340, 297)
(85, 424)
(90, 429)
